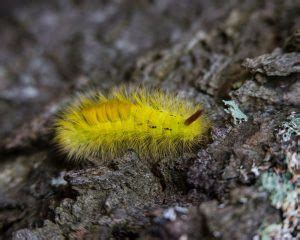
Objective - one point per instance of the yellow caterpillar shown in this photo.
(151, 122)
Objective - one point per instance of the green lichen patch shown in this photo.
(235, 112)
(283, 188)
(282, 191)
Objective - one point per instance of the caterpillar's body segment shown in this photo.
(152, 123)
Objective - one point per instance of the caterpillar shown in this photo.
(151, 122)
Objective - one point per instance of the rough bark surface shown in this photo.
(208, 51)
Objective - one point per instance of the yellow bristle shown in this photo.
(153, 123)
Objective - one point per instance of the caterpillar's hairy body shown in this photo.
(152, 123)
